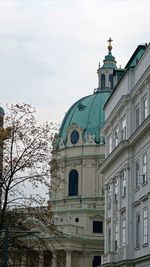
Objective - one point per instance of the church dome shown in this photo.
(2, 111)
(87, 113)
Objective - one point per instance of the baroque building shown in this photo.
(77, 196)
(126, 168)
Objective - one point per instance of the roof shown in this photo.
(134, 59)
(109, 61)
(87, 113)
(136, 56)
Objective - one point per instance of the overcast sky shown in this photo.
(50, 49)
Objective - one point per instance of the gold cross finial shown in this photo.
(109, 46)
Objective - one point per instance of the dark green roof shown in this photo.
(136, 56)
(2, 112)
(87, 113)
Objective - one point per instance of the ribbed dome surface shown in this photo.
(87, 113)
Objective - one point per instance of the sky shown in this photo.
(50, 49)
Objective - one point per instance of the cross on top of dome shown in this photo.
(109, 46)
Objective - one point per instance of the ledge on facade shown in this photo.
(145, 197)
(137, 247)
(123, 209)
(145, 245)
(136, 203)
(108, 259)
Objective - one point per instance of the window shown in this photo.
(116, 236)
(123, 176)
(144, 168)
(103, 81)
(109, 197)
(145, 107)
(123, 231)
(109, 239)
(74, 137)
(116, 136)
(145, 226)
(73, 183)
(96, 261)
(116, 189)
(110, 144)
(97, 227)
(137, 230)
(137, 116)
(137, 175)
(123, 127)
(111, 81)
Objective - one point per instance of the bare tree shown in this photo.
(25, 149)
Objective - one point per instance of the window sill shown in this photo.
(145, 183)
(137, 248)
(94, 233)
(124, 196)
(145, 245)
(137, 189)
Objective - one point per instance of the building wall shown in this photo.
(126, 169)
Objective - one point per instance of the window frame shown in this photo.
(109, 196)
(137, 116)
(145, 225)
(144, 168)
(145, 107)
(116, 185)
(110, 143)
(97, 225)
(123, 231)
(137, 174)
(124, 187)
(124, 128)
(116, 235)
(137, 230)
(73, 182)
(103, 81)
(116, 135)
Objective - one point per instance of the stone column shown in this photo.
(54, 260)
(68, 258)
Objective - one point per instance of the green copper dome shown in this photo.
(2, 111)
(87, 113)
(109, 62)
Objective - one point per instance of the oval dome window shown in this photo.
(74, 137)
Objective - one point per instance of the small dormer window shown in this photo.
(103, 81)
(74, 137)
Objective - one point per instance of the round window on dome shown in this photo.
(74, 137)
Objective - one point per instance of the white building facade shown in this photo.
(126, 168)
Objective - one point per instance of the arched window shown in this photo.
(73, 183)
(111, 81)
(103, 81)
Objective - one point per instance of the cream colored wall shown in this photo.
(85, 159)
